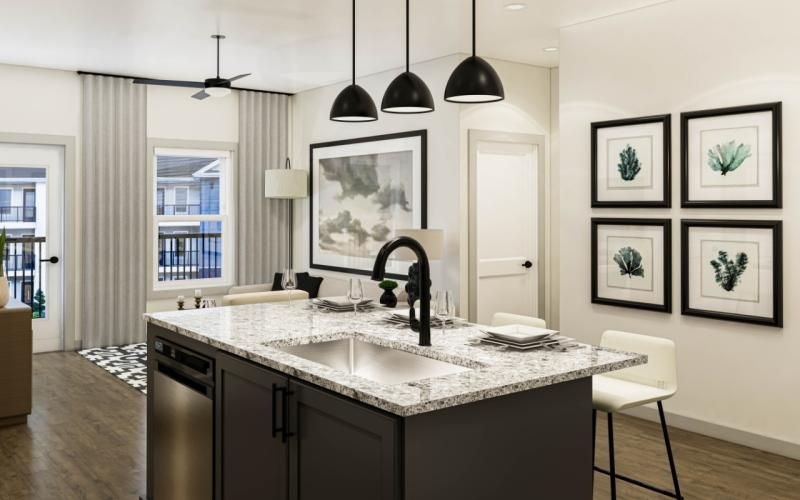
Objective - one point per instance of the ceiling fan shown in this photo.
(212, 87)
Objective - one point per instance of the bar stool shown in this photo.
(501, 319)
(636, 386)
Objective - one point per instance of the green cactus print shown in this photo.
(629, 164)
(724, 158)
(629, 261)
(728, 273)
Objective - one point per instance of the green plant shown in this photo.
(2, 250)
(728, 273)
(628, 165)
(629, 261)
(38, 304)
(724, 158)
(388, 285)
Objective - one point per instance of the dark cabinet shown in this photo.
(341, 449)
(279, 439)
(252, 454)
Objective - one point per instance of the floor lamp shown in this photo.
(286, 184)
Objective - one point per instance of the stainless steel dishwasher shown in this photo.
(183, 418)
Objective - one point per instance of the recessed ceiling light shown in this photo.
(515, 6)
(550, 49)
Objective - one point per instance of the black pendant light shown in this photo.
(353, 104)
(407, 93)
(474, 80)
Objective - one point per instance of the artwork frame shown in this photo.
(728, 194)
(659, 295)
(690, 304)
(658, 193)
(417, 180)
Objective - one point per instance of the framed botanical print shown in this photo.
(362, 190)
(732, 270)
(731, 157)
(632, 263)
(631, 162)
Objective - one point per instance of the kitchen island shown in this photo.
(316, 405)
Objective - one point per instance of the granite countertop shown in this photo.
(254, 331)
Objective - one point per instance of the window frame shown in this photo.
(227, 217)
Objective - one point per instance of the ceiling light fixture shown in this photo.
(474, 80)
(353, 104)
(515, 6)
(550, 49)
(407, 93)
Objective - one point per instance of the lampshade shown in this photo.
(407, 93)
(432, 240)
(474, 80)
(353, 104)
(285, 184)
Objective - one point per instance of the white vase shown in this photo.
(3, 291)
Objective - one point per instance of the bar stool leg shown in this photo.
(594, 433)
(612, 471)
(669, 451)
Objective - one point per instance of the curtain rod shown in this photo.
(134, 77)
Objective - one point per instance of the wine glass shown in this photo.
(289, 282)
(445, 307)
(355, 293)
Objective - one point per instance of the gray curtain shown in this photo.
(113, 211)
(263, 224)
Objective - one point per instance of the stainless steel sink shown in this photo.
(380, 364)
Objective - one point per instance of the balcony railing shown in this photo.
(17, 214)
(22, 266)
(189, 256)
(186, 209)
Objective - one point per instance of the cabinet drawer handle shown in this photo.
(275, 428)
(285, 424)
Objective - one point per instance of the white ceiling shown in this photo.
(288, 45)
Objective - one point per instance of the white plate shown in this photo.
(519, 333)
(341, 301)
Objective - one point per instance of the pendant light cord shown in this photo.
(473, 28)
(217, 57)
(354, 42)
(408, 40)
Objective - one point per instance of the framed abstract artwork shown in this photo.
(631, 162)
(632, 263)
(362, 190)
(731, 157)
(732, 270)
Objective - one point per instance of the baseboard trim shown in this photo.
(744, 438)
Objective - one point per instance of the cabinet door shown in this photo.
(252, 452)
(340, 449)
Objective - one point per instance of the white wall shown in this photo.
(679, 56)
(526, 109)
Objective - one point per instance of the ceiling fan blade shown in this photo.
(201, 95)
(170, 83)
(239, 76)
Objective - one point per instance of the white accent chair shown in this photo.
(239, 299)
(501, 319)
(649, 383)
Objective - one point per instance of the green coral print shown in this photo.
(728, 273)
(628, 165)
(629, 261)
(724, 158)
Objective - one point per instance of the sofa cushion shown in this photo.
(305, 282)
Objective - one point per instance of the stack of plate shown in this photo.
(340, 304)
(523, 337)
(401, 317)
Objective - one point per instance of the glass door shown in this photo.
(31, 211)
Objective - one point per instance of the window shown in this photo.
(192, 220)
(5, 204)
(29, 205)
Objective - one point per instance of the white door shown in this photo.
(506, 229)
(31, 210)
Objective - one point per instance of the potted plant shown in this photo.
(3, 280)
(388, 298)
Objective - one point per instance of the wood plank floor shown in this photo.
(86, 440)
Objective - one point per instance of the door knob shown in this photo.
(52, 260)
(528, 264)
